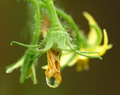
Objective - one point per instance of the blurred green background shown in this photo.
(103, 78)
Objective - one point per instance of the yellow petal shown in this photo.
(109, 46)
(94, 37)
(73, 62)
(65, 57)
(89, 18)
(102, 49)
(34, 73)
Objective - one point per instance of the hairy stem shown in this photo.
(37, 17)
(52, 11)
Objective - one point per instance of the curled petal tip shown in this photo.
(44, 67)
(109, 46)
(84, 12)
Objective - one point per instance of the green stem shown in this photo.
(37, 8)
(52, 11)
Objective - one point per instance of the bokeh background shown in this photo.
(103, 78)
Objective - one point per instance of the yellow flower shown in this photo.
(69, 58)
(82, 62)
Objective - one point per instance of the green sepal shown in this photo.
(29, 46)
(58, 35)
(26, 65)
(32, 73)
(55, 39)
